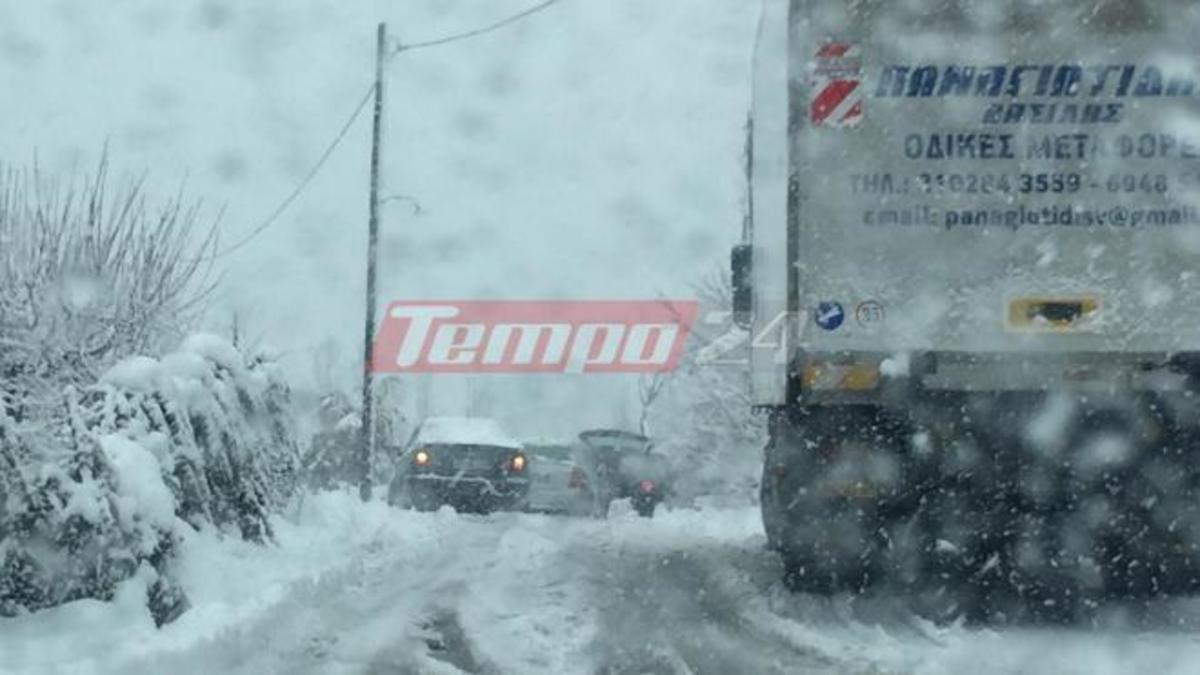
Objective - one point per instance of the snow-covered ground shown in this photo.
(356, 588)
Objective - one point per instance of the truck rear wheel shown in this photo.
(985, 523)
(1102, 512)
(807, 573)
(1126, 501)
(825, 522)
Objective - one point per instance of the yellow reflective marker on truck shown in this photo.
(1050, 314)
(845, 377)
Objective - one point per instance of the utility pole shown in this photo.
(367, 431)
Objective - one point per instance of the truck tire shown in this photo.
(998, 519)
(827, 545)
(1142, 546)
(1093, 518)
(768, 507)
(807, 573)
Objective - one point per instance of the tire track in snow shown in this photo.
(370, 616)
(682, 610)
(517, 593)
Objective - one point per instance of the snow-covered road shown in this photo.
(515, 593)
(369, 589)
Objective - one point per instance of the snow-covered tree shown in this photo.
(77, 527)
(332, 457)
(90, 273)
(700, 415)
(223, 422)
(105, 455)
(201, 437)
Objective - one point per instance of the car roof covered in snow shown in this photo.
(612, 433)
(464, 431)
(616, 438)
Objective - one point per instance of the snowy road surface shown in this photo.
(368, 589)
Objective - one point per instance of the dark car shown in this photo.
(467, 463)
(625, 467)
(645, 480)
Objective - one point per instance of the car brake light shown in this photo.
(517, 463)
(421, 458)
(577, 479)
(646, 486)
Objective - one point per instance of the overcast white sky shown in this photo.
(593, 151)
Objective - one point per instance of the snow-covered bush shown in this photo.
(332, 459)
(701, 415)
(90, 272)
(76, 524)
(98, 473)
(199, 437)
(219, 425)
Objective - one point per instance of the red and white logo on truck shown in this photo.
(836, 86)
(577, 336)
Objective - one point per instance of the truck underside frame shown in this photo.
(1010, 504)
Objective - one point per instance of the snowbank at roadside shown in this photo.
(501, 577)
(229, 582)
(353, 587)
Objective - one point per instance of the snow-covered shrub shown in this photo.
(701, 416)
(76, 527)
(220, 427)
(90, 272)
(199, 437)
(333, 460)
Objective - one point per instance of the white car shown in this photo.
(559, 483)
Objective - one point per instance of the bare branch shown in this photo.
(89, 273)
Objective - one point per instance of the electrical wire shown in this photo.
(477, 31)
(341, 135)
(308, 177)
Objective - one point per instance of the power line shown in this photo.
(300, 187)
(477, 31)
(341, 135)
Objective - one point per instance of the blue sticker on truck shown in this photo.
(830, 315)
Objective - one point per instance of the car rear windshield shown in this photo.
(558, 452)
(467, 448)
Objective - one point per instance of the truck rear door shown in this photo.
(986, 177)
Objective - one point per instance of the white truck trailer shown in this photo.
(971, 279)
